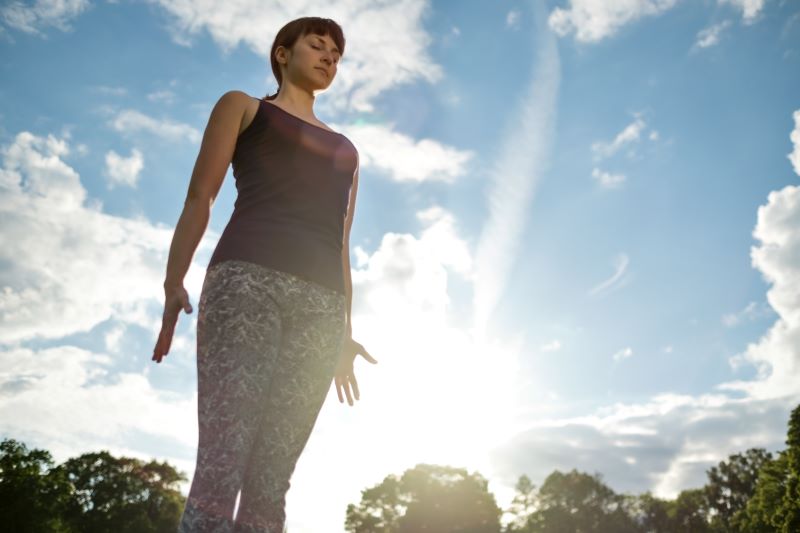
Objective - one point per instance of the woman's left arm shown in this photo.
(348, 278)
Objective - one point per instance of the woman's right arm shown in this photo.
(216, 152)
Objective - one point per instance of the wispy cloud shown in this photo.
(629, 135)
(752, 311)
(130, 121)
(617, 280)
(43, 14)
(513, 179)
(710, 36)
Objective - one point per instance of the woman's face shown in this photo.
(314, 61)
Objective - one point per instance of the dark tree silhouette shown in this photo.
(123, 494)
(33, 496)
(576, 501)
(426, 498)
(94, 492)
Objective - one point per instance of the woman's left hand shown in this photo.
(345, 377)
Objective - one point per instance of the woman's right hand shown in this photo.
(175, 299)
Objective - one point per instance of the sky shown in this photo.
(576, 241)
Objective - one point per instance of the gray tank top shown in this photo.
(293, 182)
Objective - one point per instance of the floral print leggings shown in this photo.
(268, 343)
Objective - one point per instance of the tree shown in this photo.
(577, 502)
(775, 505)
(426, 498)
(691, 512)
(122, 494)
(762, 512)
(655, 515)
(522, 506)
(731, 484)
(33, 496)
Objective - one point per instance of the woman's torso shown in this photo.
(293, 180)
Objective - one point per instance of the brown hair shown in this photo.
(288, 35)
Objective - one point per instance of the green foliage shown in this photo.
(576, 501)
(123, 494)
(426, 498)
(655, 515)
(94, 492)
(775, 505)
(33, 496)
(730, 485)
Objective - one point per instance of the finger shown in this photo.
(347, 391)
(354, 383)
(187, 306)
(367, 356)
(338, 389)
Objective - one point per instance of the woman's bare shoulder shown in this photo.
(243, 105)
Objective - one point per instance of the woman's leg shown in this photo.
(238, 335)
(313, 332)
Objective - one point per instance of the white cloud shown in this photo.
(629, 135)
(42, 14)
(123, 171)
(750, 8)
(551, 346)
(512, 19)
(374, 60)
(794, 136)
(622, 354)
(607, 179)
(129, 121)
(664, 445)
(62, 256)
(710, 36)
(777, 354)
(67, 400)
(592, 21)
(408, 275)
(404, 158)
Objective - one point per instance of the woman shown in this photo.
(273, 327)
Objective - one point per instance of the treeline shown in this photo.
(750, 492)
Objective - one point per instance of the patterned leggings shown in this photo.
(267, 347)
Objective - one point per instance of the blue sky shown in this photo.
(576, 242)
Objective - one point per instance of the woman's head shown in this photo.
(303, 49)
